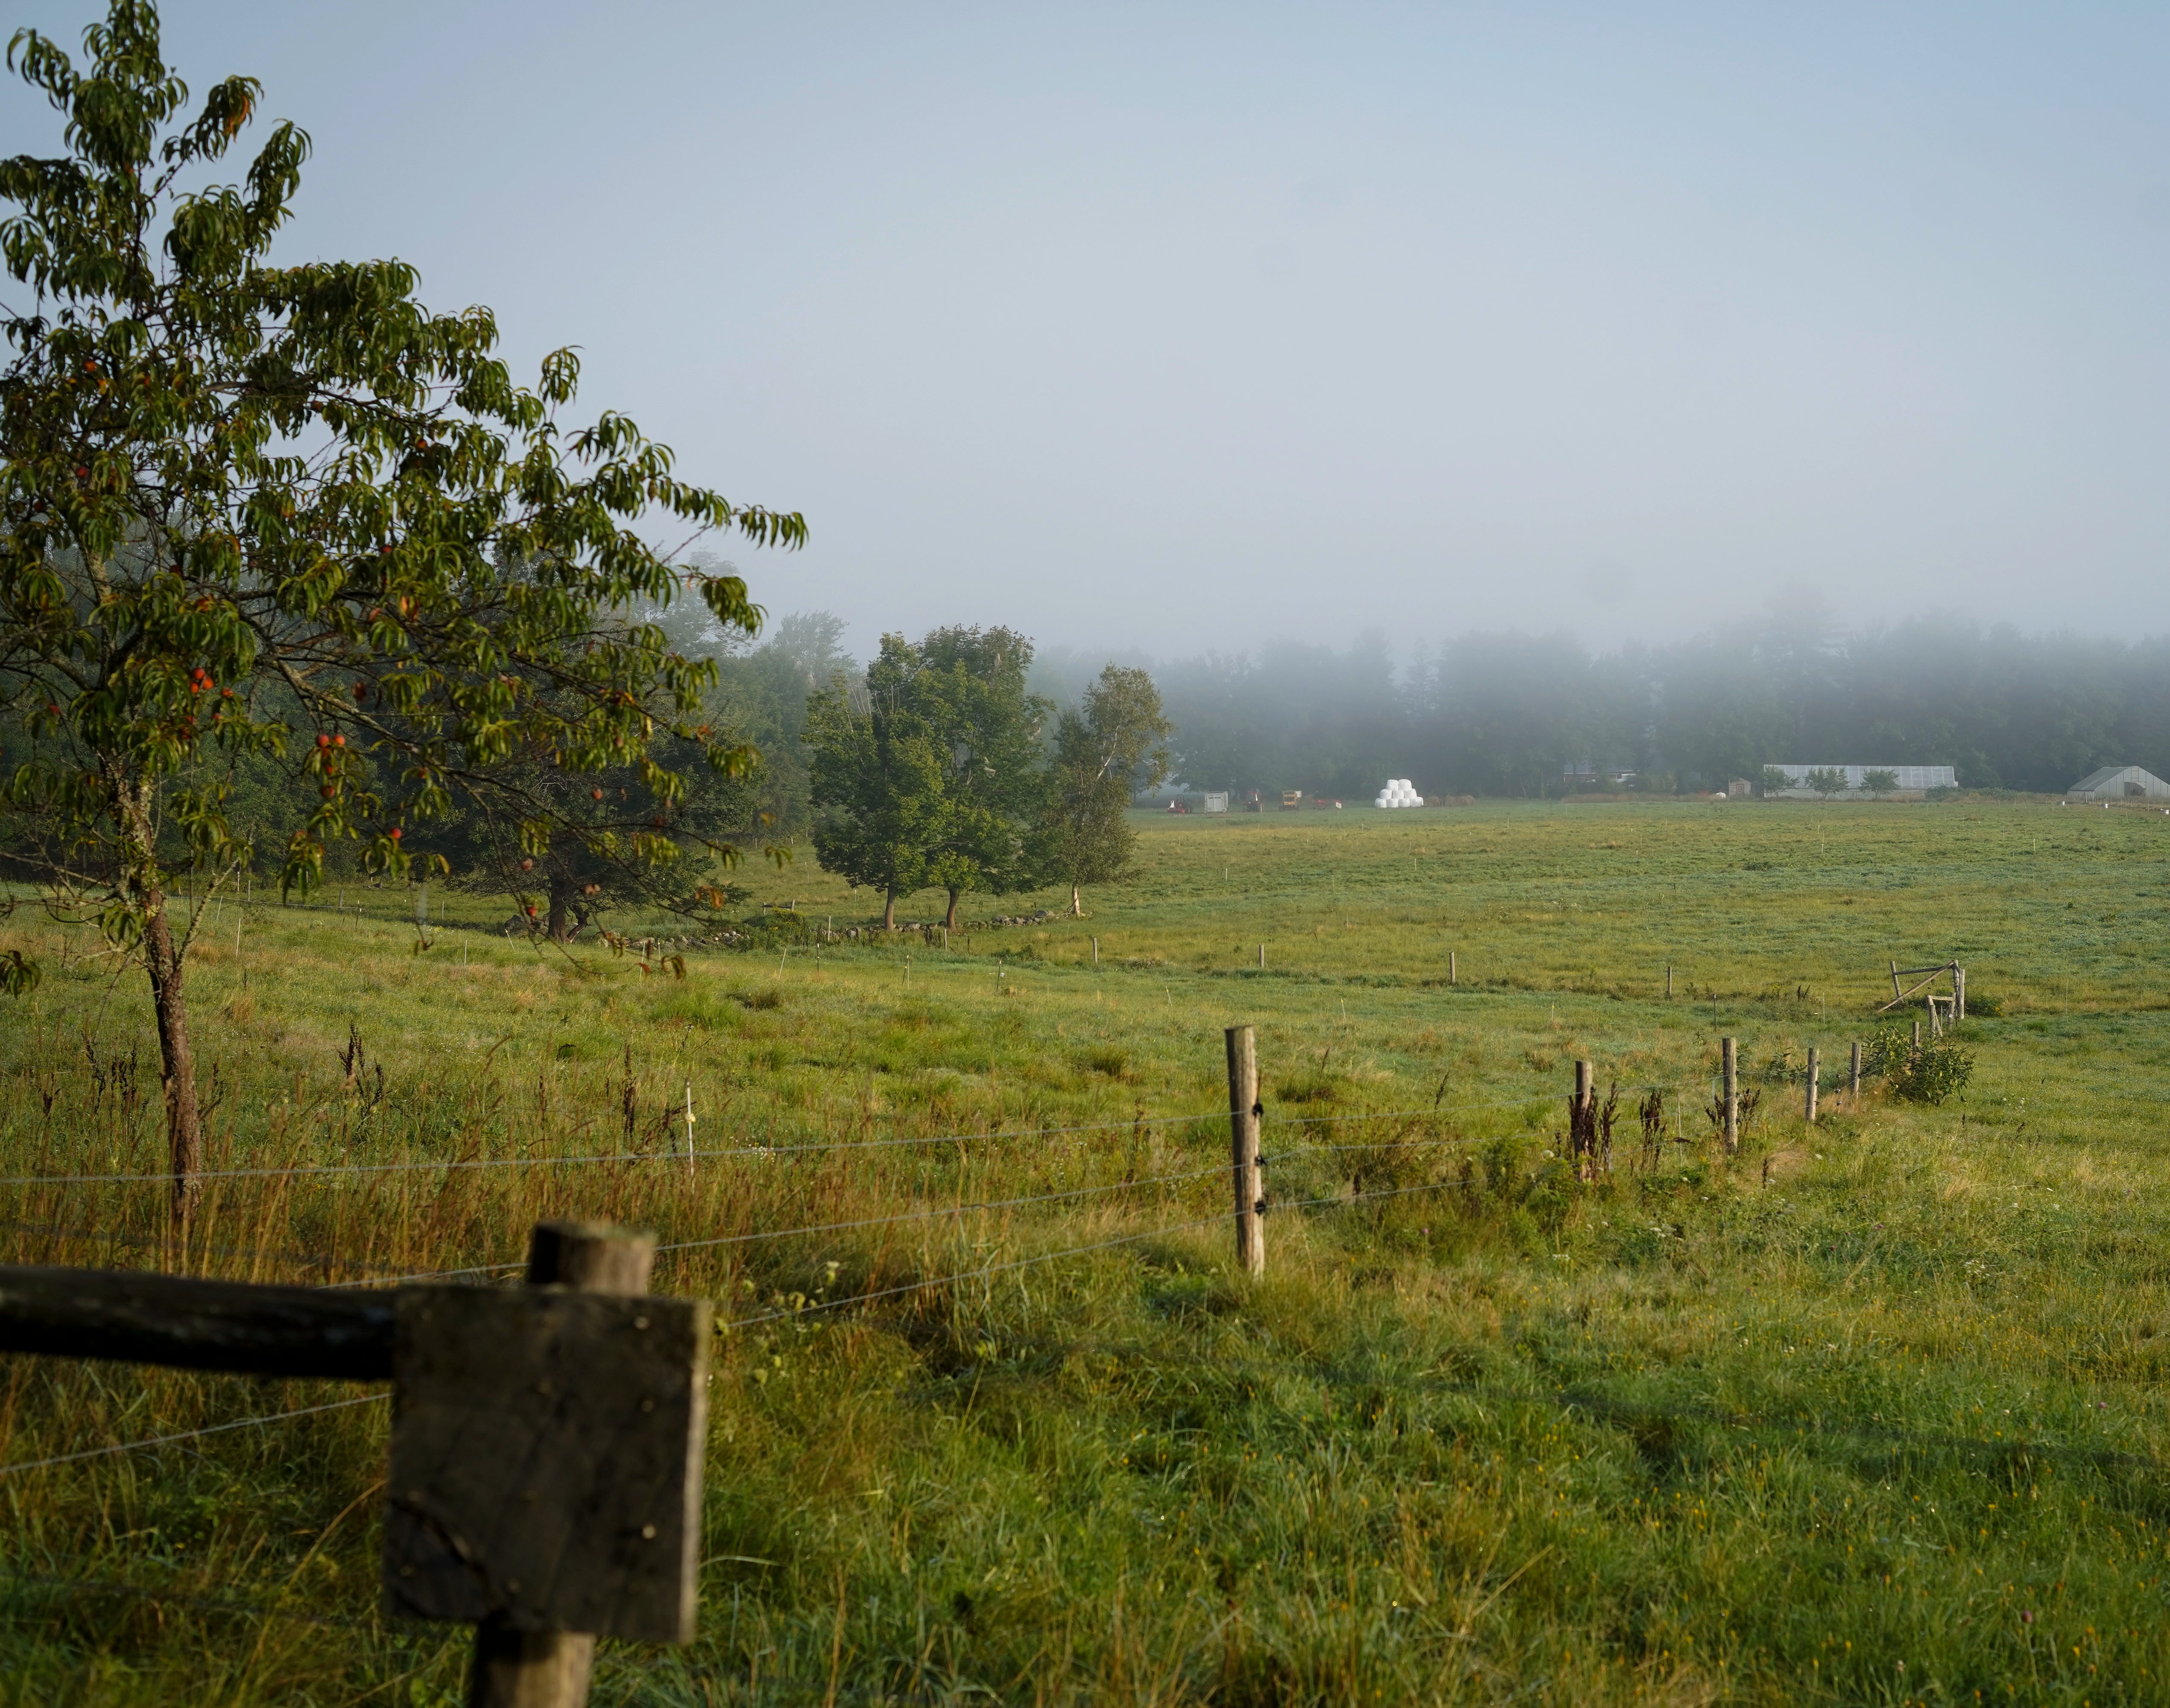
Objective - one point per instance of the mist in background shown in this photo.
(1205, 328)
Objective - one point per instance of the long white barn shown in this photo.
(1913, 779)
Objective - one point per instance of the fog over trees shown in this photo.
(1504, 714)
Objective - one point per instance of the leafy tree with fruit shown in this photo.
(290, 512)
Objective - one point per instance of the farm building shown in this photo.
(2120, 782)
(1912, 780)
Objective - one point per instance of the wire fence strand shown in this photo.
(188, 1434)
(424, 1165)
(1336, 1201)
(936, 1211)
(451, 1164)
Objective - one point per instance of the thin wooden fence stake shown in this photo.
(1918, 1034)
(1096, 954)
(549, 1669)
(1669, 981)
(1853, 1075)
(1958, 989)
(1582, 1133)
(689, 1131)
(1262, 958)
(1815, 1069)
(1728, 1056)
(1243, 1112)
(1452, 973)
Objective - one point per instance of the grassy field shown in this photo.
(1871, 1413)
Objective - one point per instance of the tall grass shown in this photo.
(1870, 1412)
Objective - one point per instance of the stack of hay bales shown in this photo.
(1399, 792)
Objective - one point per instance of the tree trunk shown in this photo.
(562, 892)
(950, 922)
(889, 910)
(1077, 906)
(176, 1061)
(141, 885)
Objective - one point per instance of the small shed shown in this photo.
(2120, 782)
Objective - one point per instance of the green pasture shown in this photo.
(1871, 1413)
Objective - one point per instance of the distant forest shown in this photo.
(1484, 715)
(1507, 714)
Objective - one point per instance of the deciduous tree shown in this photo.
(1104, 754)
(934, 776)
(291, 512)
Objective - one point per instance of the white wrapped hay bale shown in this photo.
(1399, 792)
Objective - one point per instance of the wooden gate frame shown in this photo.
(1943, 1010)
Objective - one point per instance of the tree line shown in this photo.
(1509, 714)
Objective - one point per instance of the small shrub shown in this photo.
(1981, 1003)
(1939, 1070)
(1886, 1047)
(779, 928)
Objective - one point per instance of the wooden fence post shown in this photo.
(1729, 1059)
(1918, 1034)
(1816, 1071)
(1958, 992)
(549, 1668)
(1669, 981)
(1853, 1075)
(1243, 1112)
(1262, 958)
(1582, 1120)
(1452, 977)
(546, 1442)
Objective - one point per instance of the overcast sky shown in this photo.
(1171, 327)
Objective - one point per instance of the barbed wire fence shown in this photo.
(1296, 1126)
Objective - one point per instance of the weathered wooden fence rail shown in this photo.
(547, 1441)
